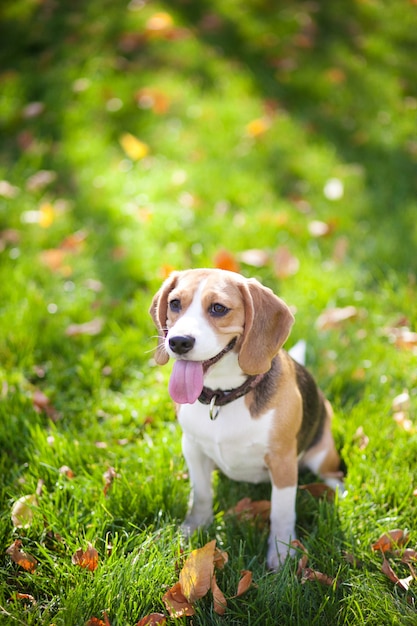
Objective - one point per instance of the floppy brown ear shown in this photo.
(158, 312)
(268, 322)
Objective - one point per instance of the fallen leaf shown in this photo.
(285, 263)
(25, 560)
(160, 23)
(46, 215)
(22, 511)
(247, 509)
(335, 317)
(303, 561)
(313, 575)
(245, 582)
(219, 601)
(254, 257)
(220, 558)
(24, 597)
(389, 540)
(257, 127)
(41, 403)
(134, 148)
(109, 476)
(7, 190)
(225, 260)
(40, 180)
(386, 569)
(176, 603)
(66, 471)
(153, 99)
(319, 490)
(93, 327)
(401, 402)
(317, 228)
(87, 559)
(197, 573)
(152, 619)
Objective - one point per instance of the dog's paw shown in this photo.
(192, 522)
(278, 552)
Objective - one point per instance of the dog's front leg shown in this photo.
(200, 468)
(284, 475)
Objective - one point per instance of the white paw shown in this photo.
(192, 522)
(278, 551)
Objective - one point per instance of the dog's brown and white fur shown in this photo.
(282, 422)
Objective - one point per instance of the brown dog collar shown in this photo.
(219, 397)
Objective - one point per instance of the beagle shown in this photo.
(244, 405)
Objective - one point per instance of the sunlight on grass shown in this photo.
(143, 137)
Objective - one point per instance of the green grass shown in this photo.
(335, 85)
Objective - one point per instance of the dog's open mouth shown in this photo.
(187, 378)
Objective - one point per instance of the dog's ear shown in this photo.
(268, 322)
(158, 312)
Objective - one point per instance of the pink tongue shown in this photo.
(186, 382)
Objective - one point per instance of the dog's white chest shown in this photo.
(235, 441)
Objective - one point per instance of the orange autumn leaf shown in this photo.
(152, 619)
(219, 601)
(176, 603)
(161, 22)
(389, 540)
(28, 562)
(109, 476)
(257, 127)
(197, 573)
(220, 558)
(153, 99)
(245, 582)
(87, 559)
(386, 569)
(225, 260)
(134, 148)
(303, 561)
(95, 621)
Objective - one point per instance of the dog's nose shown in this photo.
(181, 344)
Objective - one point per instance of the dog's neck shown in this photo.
(226, 374)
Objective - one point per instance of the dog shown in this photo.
(243, 404)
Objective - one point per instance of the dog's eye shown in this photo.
(175, 305)
(217, 309)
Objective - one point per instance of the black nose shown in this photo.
(181, 344)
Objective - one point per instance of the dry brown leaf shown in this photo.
(87, 559)
(28, 562)
(176, 603)
(41, 403)
(285, 263)
(335, 317)
(197, 573)
(388, 541)
(152, 619)
(386, 569)
(311, 574)
(303, 561)
(109, 477)
(95, 621)
(219, 601)
(94, 327)
(66, 471)
(220, 558)
(245, 582)
(319, 490)
(248, 510)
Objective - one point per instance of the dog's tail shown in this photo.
(298, 352)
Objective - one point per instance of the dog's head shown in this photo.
(199, 313)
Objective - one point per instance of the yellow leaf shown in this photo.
(197, 573)
(46, 215)
(134, 148)
(257, 127)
